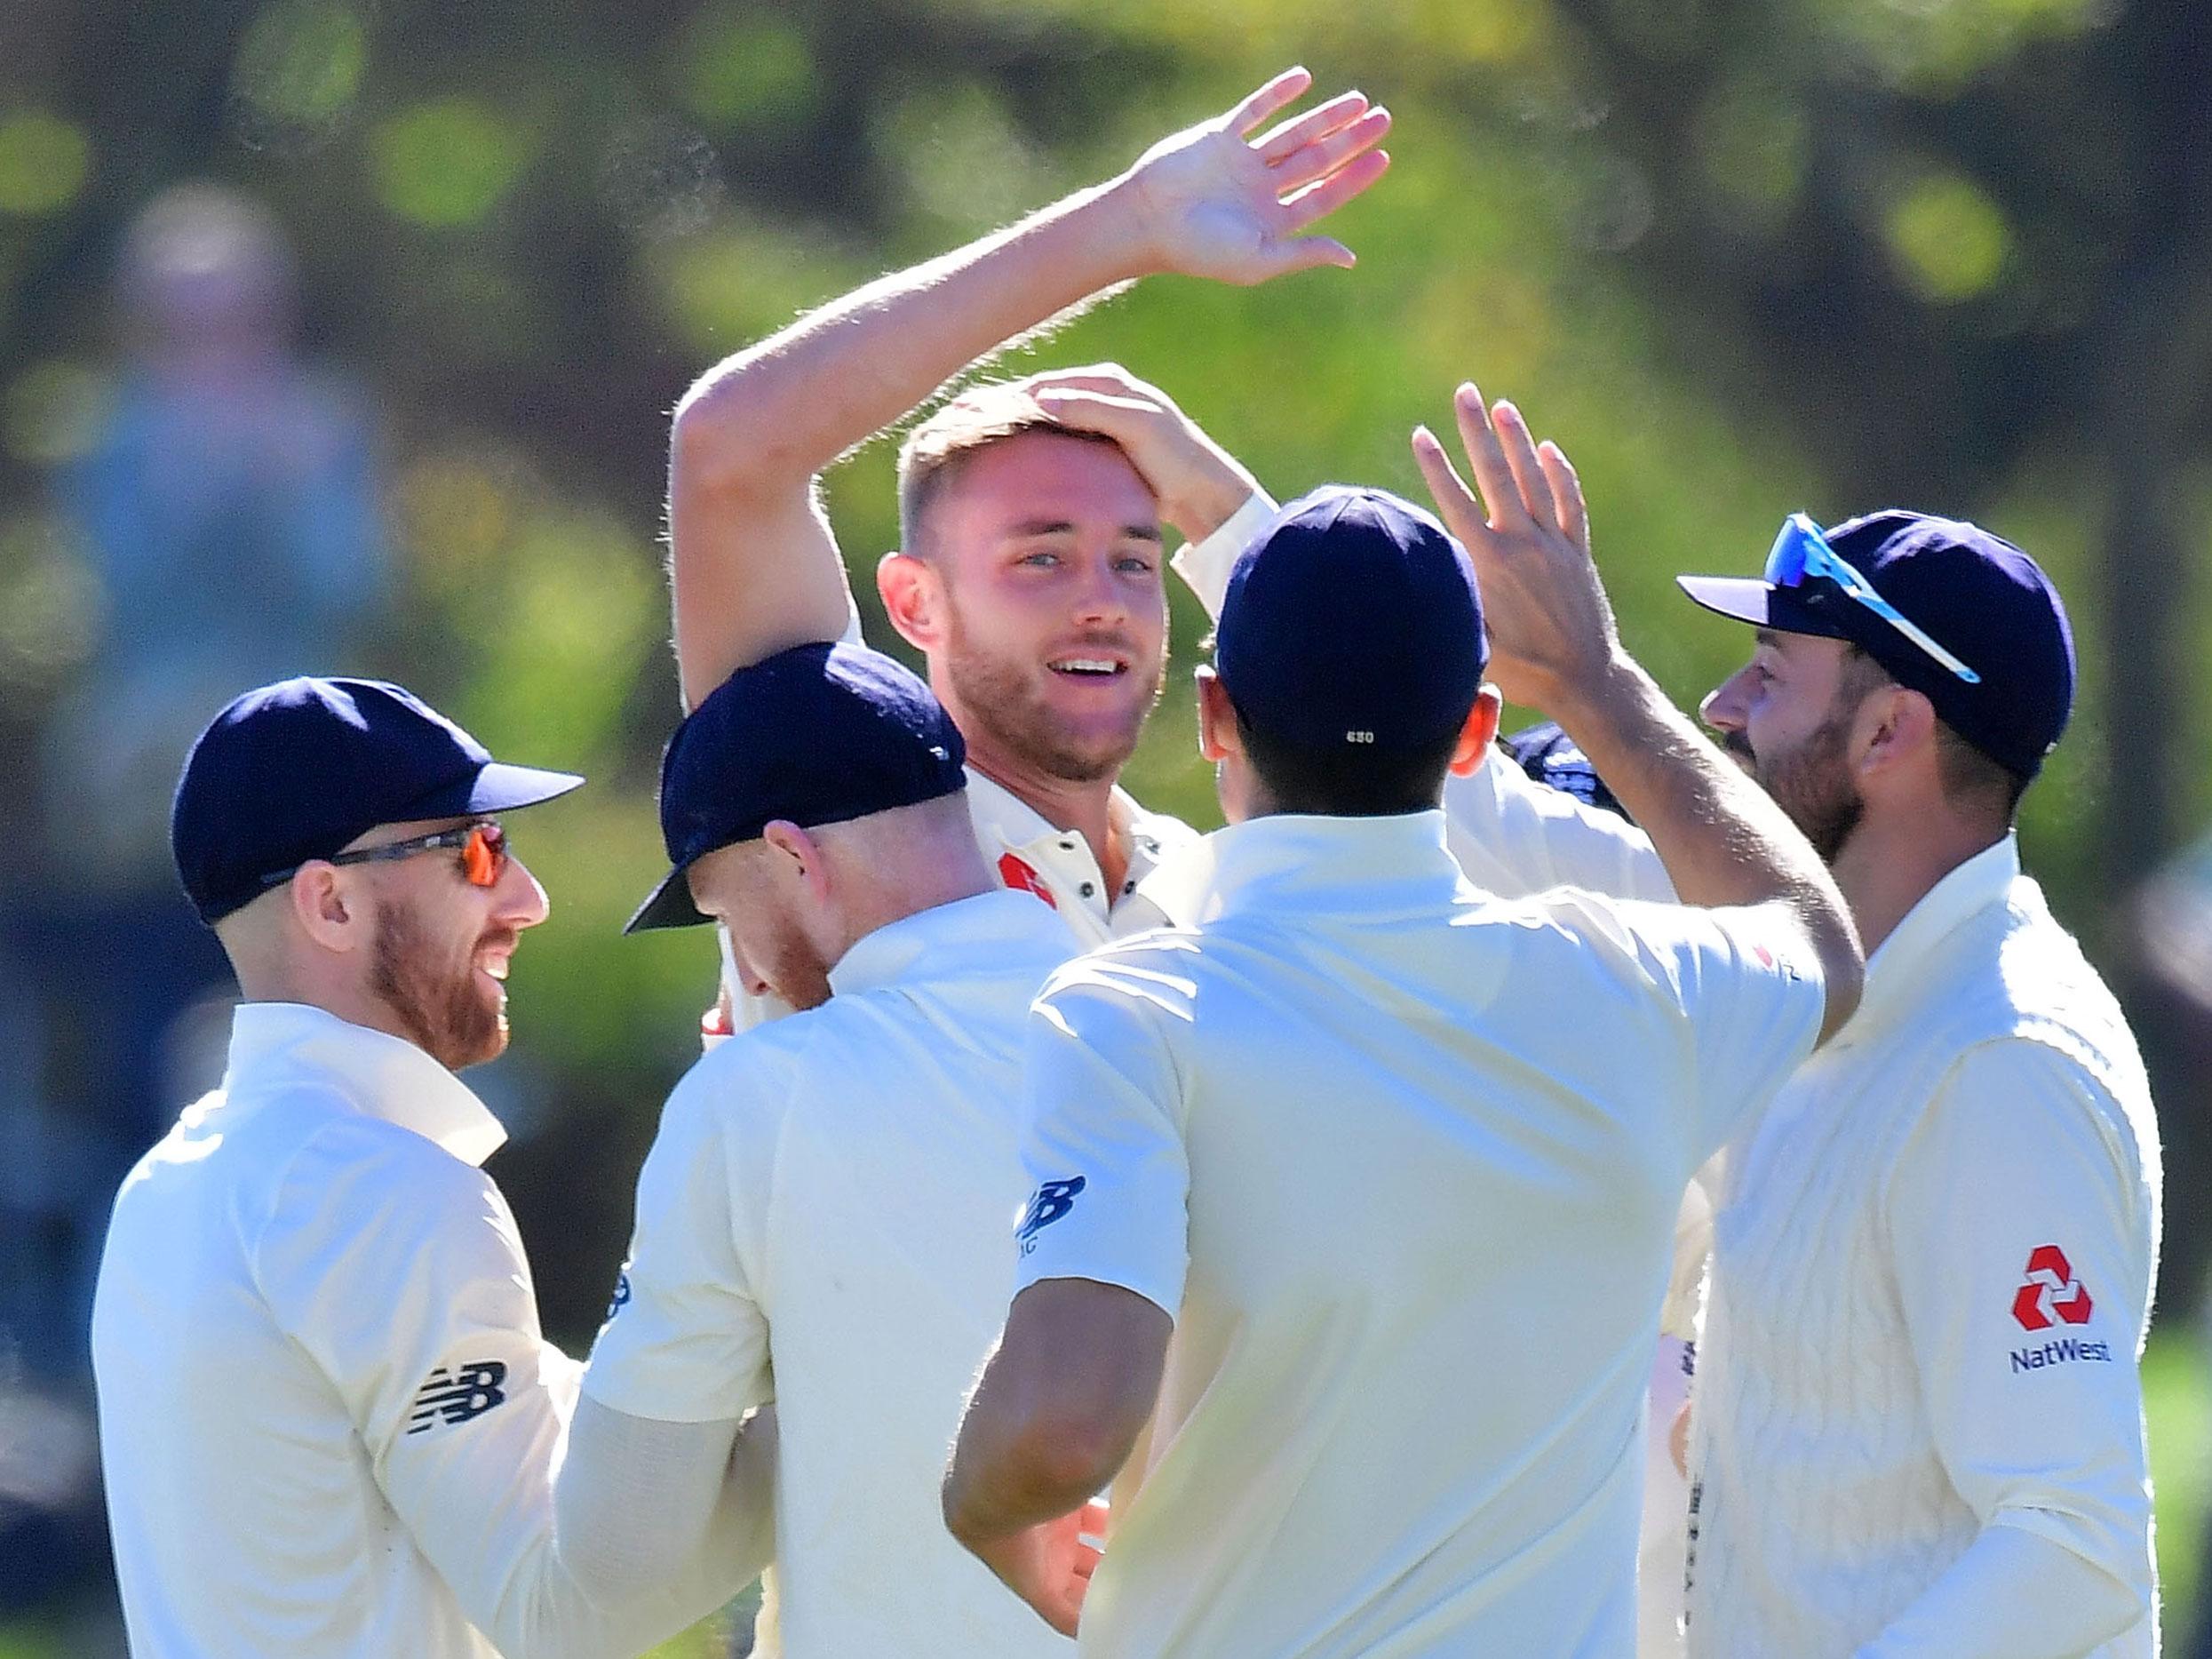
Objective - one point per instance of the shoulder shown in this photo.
(352, 1164)
(1157, 967)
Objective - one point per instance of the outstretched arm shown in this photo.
(754, 566)
(1554, 647)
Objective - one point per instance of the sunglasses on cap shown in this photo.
(483, 846)
(1800, 552)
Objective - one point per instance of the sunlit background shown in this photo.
(385, 390)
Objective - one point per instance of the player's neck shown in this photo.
(1890, 865)
(1084, 808)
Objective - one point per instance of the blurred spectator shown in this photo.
(226, 509)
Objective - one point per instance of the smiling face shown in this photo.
(439, 958)
(1791, 717)
(1039, 601)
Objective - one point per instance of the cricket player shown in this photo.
(1376, 1248)
(1918, 1427)
(329, 1424)
(824, 1220)
(1031, 575)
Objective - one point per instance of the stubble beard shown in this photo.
(1813, 786)
(998, 697)
(442, 1009)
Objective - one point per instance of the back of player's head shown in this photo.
(817, 735)
(940, 449)
(1351, 647)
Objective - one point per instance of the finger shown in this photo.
(1342, 110)
(1318, 201)
(1325, 154)
(1528, 477)
(1285, 89)
(1455, 503)
(1091, 411)
(1566, 493)
(1501, 500)
(1109, 383)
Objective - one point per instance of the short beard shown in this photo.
(1813, 786)
(445, 1014)
(995, 696)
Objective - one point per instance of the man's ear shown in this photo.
(799, 857)
(1478, 734)
(1895, 729)
(1219, 736)
(912, 592)
(328, 908)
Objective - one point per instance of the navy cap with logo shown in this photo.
(1354, 619)
(294, 772)
(817, 734)
(1955, 613)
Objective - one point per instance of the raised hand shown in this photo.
(1199, 483)
(1214, 201)
(1551, 626)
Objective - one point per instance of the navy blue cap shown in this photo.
(1975, 594)
(295, 771)
(1353, 619)
(817, 734)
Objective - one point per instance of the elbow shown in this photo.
(728, 437)
(1046, 1466)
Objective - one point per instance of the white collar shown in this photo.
(1362, 864)
(1894, 969)
(943, 933)
(384, 1076)
(1020, 827)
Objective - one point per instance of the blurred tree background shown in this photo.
(1739, 256)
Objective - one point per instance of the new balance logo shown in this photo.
(2051, 1294)
(456, 1394)
(621, 1298)
(1052, 1201)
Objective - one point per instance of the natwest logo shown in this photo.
(2051, 1294)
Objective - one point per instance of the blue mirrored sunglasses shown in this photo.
(1801, 552)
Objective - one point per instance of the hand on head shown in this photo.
(1551, 626)
(1198, 485)
(1215, 201)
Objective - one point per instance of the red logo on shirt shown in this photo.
(2051, 1293)
(1765, 956)
(1022, 878)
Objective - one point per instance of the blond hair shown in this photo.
(938, 450)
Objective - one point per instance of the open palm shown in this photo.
(1219, 203)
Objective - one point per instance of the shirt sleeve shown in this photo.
(1205, 566)
(687, 1339)
(398, 1269)
(1749, 995)
(1103, 1144)
(1515, 836)
(2022, 1245)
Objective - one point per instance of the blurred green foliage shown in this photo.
(1739, 256)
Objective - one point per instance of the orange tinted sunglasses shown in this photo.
(483, 849)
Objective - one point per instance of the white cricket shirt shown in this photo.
(1404, 1161)
(824, 1221)
(328, 1420)
(1919, 1422)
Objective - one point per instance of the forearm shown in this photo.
(2013, 1595)
(1722, 839)
(656, 1525)
(786, 408)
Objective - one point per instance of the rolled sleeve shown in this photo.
(1205, 566)
(687, 1339)
(2022, 1237)
(1103, 1144)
